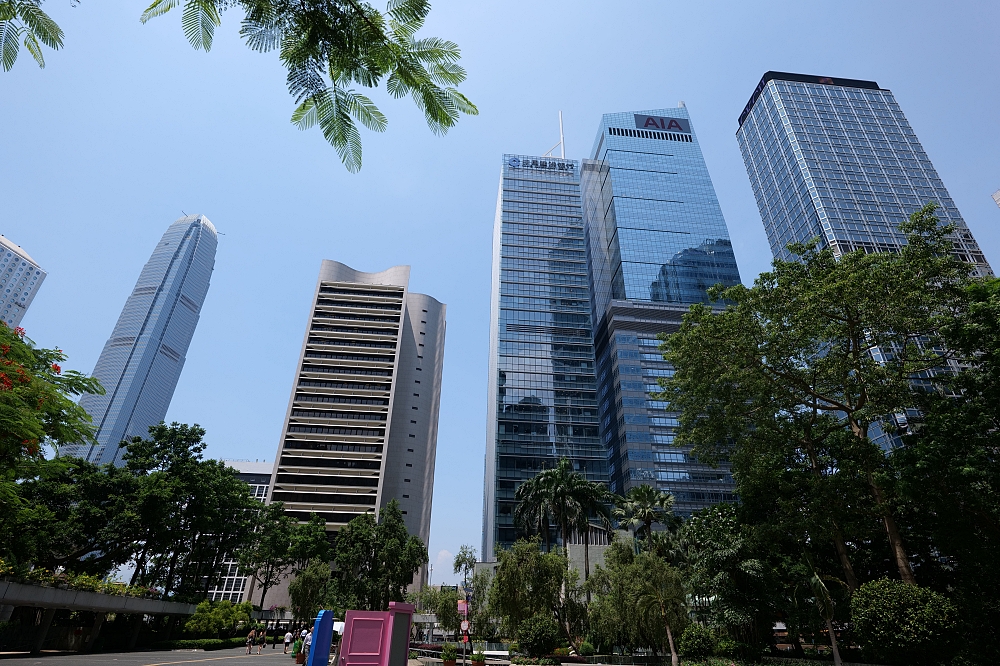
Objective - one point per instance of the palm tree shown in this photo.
(565, 486)
(641, 507)
(661, 598)
(533, 510)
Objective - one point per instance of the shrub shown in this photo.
(898, 623)
(449, 652)
(561, 652)
(725, 647)
(198, 644)
(696, 641)
(537, 636)
(586, 649)
(478, 658)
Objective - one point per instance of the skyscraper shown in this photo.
(656, 242)
(361, 426)
(20, 278)
(142, 361)
(541, 396)
(836, 159)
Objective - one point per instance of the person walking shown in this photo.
(251, 638)
(307, 643)
(261, 640)
(288, 640)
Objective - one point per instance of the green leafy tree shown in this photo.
(192, 512)
(309, 589)
(446, 610)
(661, 598)
(465, 563)
(526, 583)
(24, 22)
(267, 556)
(538, 635)
(696, 641)
(838, 341)
(217, 617)
(904, 624)
(375, 561)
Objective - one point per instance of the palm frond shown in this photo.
(9, 46)
(446, 73)
(434, 49)
(199, 20)
(34, 48)
(40, 25)
(158, 8)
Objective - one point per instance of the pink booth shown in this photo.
(377, 638)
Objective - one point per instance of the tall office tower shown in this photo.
(996, 197)
(836, 159)
(142, 361)
(656, 242)
(361, 427)
(20, 278)
(232, 584)
(542, 391)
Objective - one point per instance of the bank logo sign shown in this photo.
(663, 124)
(559, 165)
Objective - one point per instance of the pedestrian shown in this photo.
(288, 640)
(251, 637)
(261, 640)
(307, 642)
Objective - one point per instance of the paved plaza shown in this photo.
(234, 657)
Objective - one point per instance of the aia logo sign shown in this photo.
(662, 124)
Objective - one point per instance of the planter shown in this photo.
(478, 663)
(300, 658)
(450, 662)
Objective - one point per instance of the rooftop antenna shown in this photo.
(562, 142)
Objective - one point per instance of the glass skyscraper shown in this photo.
(542, 391)
(657, 241)
(836, 159)
(20, 278)
(142, 360)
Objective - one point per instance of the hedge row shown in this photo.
(202, 644)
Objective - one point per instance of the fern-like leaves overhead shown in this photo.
(330, 46)
(24, 22)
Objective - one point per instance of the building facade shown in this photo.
(657, 241)
(20, 278)
(362, 419)
(836, 159)
(542, 390)
(142, 360)
(233, 585)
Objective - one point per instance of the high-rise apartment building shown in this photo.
(836, 159)
(142, 361)
(20, 278)
(542, 391)
(657, 241)
(361, 426)
(233, 584)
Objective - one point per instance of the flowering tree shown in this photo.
(37, 404)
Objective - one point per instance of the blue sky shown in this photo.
(128, 126)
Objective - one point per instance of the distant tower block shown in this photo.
(143, 359)
(20, 278)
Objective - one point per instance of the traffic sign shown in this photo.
(465, 625)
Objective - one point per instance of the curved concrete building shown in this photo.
(361, 426)
(142, 361)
